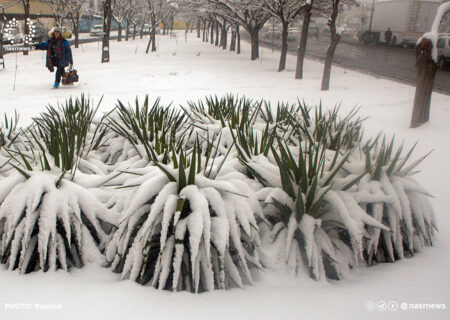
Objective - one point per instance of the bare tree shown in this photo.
(249, 14)
(26, 26)
(75, 9)
(307, 11)
(159, 12)
(286, 11)
(120, 12)
(333, 6)
(59, 11)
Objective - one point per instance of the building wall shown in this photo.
(37, 7)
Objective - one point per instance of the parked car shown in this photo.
(443, 47)
(12, 36)
(96, 31)
(40, 34)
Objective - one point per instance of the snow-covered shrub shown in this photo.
(48, 224)
(151, 131)
(46, 220)
(186, 228)
(391, 196)
(197, 187)
(9, 134)
(308, 215)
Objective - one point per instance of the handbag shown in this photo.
(70, 76)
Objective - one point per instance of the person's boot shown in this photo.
(56, 85)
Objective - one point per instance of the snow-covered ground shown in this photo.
(181, 71)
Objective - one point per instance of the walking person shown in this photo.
(388, 36)
(59, 54)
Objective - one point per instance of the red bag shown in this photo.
(70, 76)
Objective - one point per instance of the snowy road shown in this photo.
(386, 62)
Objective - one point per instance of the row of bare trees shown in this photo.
(217, 17)
(146, 15)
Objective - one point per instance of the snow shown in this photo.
(94, 292)
(433, 35)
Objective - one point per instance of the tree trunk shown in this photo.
(284, 46)
(134, 31)
(76, 24)
(107, 15)
(303, 40)
(141, 35)
(238, 50)
(198, 27)
(164, 29)
(329, 61)
(212, 33)
(224, 35)
(233, 41)
(254, 43)
(26, 11)
(127, 31)
(204, 31)
(425, 82)
(153, 36)
(1, 42)
(119, 32)
(216, 43)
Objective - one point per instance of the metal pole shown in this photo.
(15, 73)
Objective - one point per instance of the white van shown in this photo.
(443, 47)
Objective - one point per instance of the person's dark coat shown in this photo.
(52, 60)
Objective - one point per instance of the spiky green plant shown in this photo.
(48, 222)
(390, 195)
(308, 213)
(8, 130)
(185, 231)
(151, 130)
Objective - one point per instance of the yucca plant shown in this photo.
(150, 130)
(326, 126)
(185, 231)
(231, 110)
(316, 224)
(390, 194)
(46, 224)
(46, 220)
(8, 130)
